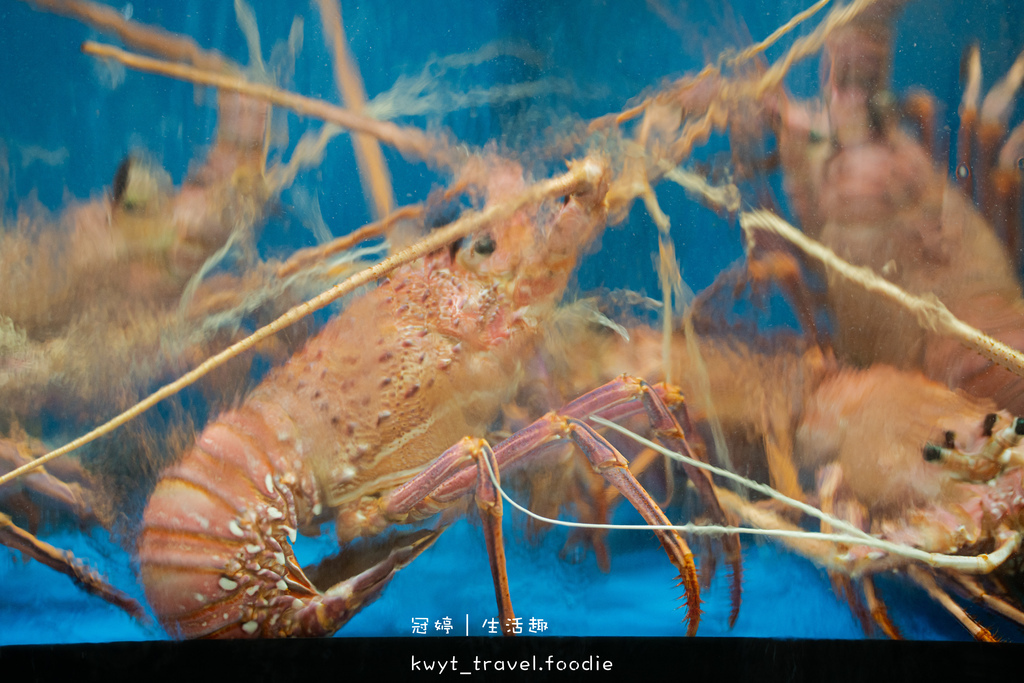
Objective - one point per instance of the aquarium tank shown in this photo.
(780, 238)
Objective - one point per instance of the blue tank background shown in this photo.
(51, 96)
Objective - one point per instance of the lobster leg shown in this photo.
(618, 399)
(69, 495)
(64, 562)
(878, 611)
(829, 481)
(322, 614)
(451, 476)
(609, 463)
(488, 502)
(774, 264)
(919, 108)
(968, 122)
(924, 579)
(762, 516)
(977, 592)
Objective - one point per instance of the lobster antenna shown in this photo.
(138, 36)
(754, 50)
(411, 142)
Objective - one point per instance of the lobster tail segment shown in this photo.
(216, 545)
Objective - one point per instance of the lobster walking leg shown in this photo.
(488, 502)
(70, 495)
(324, 613)
(976, 592)
(62, 490)
(878, 610)
(452, 475)
(621, 397)
(924, 579)
(64, 562)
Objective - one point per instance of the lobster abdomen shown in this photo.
(214, 549)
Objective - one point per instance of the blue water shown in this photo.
(784, 596)
(600, 55)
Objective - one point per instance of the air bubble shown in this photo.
(962, 171)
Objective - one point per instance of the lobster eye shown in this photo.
(121, 179)
(454, 248)
(473, 255)
(988, 424)
(484, 246)
(138, 183)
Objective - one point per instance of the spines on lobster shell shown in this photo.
(215, 533)
(215, 551)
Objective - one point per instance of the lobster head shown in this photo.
(532, 253)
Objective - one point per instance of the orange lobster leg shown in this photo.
(64, 562)
(968, 122)
(67, 494)
(488, 502)
(624, 396)
(975, 591)
(452, 476)
(878, 610)
(322, 614)
(924, 579)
